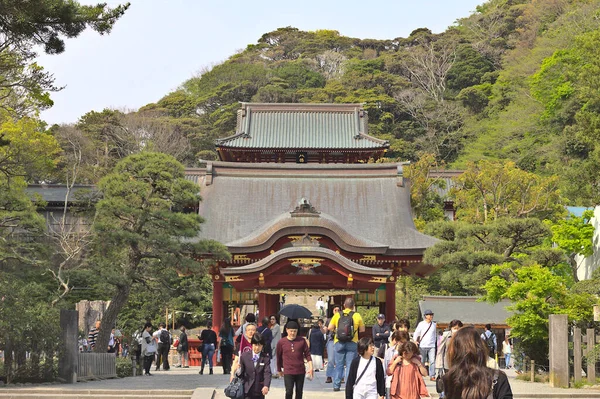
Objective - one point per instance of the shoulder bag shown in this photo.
(235, 389)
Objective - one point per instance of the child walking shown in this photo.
(407, 382)
(254, 368)
(366, 378)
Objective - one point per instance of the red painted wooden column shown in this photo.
(272, 302)
(390, 301)
(263, 310)
(217, 305)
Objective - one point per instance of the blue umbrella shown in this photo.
(294, 311)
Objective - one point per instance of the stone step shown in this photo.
(31, 393)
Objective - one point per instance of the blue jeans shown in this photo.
(425, 352)
(330, 372)
(507, 360)
(345, 352)
(207, 355)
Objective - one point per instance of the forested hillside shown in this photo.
(515, 80)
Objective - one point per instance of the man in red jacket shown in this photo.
(291, 353)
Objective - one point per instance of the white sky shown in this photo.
(158, 44)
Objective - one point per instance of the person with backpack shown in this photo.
(347, 325)
(490, 340)
(164, 344)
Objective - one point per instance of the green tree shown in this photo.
(142, 230)
(427, 205)
(536, 293)
(24, 86)
(467, 251)
(574, 235)
(488, 190)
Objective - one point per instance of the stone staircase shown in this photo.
(58, 393)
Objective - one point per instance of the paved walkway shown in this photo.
(189, 379)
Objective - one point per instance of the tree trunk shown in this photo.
(109, 318)
(8, 361)
(573, 263)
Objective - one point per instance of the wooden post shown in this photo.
(217, 305)
(577, 354)
(390, 301)
(262, 308)
(591, 362)
(533, 371)
(559, 351)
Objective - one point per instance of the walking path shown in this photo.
(203, 386)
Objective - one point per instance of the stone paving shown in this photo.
(189, 379)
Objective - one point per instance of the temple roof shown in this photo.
(367, 204)
(304, 252)
(302, 126)
(53, 193)
(468, 309)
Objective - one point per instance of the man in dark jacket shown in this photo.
(267, 335)
(381, 334)
(255, 369)
(316, 339)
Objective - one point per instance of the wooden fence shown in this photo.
(96, 366)
(584, 345)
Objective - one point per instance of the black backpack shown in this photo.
(345, 327)
(165, 337)
(490, 343)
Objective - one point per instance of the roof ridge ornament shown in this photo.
(306, 241)
(305, 209)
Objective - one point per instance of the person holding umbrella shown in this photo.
(292, 351)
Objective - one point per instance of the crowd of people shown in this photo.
(390, 364)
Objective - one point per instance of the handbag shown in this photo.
(235, 389)
(439, 382)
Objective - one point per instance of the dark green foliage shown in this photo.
(143, 233)
(468, 68)
(46, 22)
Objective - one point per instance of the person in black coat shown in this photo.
(316, 339)
(183, 349)
(255, 369)
(365, 377)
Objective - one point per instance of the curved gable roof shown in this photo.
(304, 252)
(368, 201)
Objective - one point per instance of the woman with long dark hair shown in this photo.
(226, 345)
(469, 377)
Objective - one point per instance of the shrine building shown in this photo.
(299, 202)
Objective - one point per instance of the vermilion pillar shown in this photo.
(217, 305)
(390, 301)
(263, 310)
(272, 304)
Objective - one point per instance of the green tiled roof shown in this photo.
(302, 126)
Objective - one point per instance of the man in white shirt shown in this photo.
(425, 336)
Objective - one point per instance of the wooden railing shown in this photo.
(579, 350)
(96, 366)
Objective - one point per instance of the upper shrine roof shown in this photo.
(302, 126)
